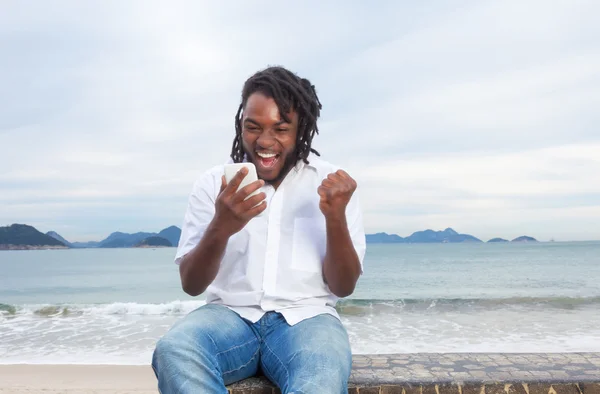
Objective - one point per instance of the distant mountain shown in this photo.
(172, 234)
(22, 236)
(448, 235)
(497, 240)
(154, 241)
(427, 236)
(384, 238)
(123, 240)
(57, 237)
(126, 240)
(524, 238)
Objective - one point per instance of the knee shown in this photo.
(166, 352)
(323, 372)
(173, 349)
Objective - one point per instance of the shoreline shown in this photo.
(553, 373)
(32, 247)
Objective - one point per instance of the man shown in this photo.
(272, 266)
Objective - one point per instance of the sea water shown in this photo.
(109, 306)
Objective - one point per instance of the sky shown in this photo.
(482, 115)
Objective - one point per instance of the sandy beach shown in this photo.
(81, 379)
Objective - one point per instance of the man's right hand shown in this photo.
(232, 210)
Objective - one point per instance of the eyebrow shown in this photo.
(250, 120)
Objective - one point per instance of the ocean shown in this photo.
(109, 306)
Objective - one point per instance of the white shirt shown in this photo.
(275, 262)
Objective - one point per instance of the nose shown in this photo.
(266, 140)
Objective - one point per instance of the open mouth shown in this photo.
(267, 160)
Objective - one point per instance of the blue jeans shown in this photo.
(213, 347)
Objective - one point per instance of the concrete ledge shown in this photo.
(463, 373)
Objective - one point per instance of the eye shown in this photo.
(282, 130)
(251, 129)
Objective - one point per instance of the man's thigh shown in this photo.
(218, 338)
(311, 356)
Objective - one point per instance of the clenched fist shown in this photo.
(335, 192)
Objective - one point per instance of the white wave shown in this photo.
(174, 308)
(126, 333)
(132, 308)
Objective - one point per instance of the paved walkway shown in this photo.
(473, 367)
(465, 373)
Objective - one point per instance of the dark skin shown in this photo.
(266, 132)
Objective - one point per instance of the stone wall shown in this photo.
(464, 373)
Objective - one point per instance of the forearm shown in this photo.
(199, 268)
(341, 267)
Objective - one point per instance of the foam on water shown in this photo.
(125, 333)
(118, 308)
(345, 307)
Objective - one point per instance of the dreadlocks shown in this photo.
(290, 92)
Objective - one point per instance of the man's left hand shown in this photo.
(335, 192)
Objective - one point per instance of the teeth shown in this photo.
(266, 155)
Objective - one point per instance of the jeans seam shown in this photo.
(287, 373)
(243, 366)
(235, 347)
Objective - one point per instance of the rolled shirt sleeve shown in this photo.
(199, 213)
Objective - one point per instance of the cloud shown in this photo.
(553, 185)
(481, 115)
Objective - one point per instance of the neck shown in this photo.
(289, 164)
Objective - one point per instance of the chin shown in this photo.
(268, 176)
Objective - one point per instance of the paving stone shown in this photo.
(480, 374)
(503, 377)
(521, 374)
(460, 376)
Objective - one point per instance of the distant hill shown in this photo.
(426, 236)
(154, 241)
(123, 240)
(172, 234)
(384, 238)
(22, 236)
(448, 235)
(524, 238)
(57, 237)
(126, 240)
